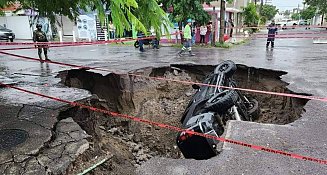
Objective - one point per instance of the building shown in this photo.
(233, 13)
(22, 22)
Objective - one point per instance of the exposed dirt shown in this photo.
(129, 144)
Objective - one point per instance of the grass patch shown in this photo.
(224, 45)
(125, 43)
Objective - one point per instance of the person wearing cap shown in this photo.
(188, 39)
(272, 31)
(40, 36)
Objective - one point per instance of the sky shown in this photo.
(287, 4)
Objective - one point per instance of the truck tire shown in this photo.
(254, 110)
(227, 67)
(221, 102)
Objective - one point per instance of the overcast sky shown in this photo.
(287, 4)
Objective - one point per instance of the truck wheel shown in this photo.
(221, 102)
(11, 40)
(253, 109)
(226, 67)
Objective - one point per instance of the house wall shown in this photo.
(20, 25)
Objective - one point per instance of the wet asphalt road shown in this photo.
(304, 62)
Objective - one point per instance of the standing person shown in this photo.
(40, 36)
(232, 27)
(203, 32)
(272, 31)
(140, 36)
(112, 30)
(188, 39)
(193, 35)
(209, 27)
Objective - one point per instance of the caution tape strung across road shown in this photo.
(173, 128)
(171, 80)
(81, 42)
(278, 26)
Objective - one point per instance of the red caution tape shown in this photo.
(279, 27)
(322, 99)
(161, 125)
(82, 42)
(291, 33)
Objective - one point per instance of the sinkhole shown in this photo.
(133, 143)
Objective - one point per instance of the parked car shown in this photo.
(287, 24)
(210, 109)
(303, 23)
(6, 34)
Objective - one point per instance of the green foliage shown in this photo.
(223, 45)
(263, 20)
(308, 13)
(296, 16)
(123, 12)
(287, 12)
(251, 17)
(321, 5)
(185, 9)
(268, 11)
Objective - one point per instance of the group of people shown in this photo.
(188, 35)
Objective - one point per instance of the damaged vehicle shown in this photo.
(209, 110)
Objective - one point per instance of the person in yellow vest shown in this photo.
(188, 39)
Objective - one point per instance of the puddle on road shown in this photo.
(161, 101)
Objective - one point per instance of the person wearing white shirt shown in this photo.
(203, 32)
(112, 30)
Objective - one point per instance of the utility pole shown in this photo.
(222, 21)
(298, 11)
(213, 28)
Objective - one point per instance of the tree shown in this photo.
(269, 11)
(251, 17)
(296, 16)
(308, 13)
(321, 5)
(185, 9)
(287, 12)
(123, 12)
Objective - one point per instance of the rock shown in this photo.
(113, 130)
(148, 156)
(130, 137)
(14, 169)
(137, 148)
(20, 158)
(5, 157)
(175, 73)
(33, 167)
(102, 128)
(188, 94)
(142, 157)
(132, 144)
